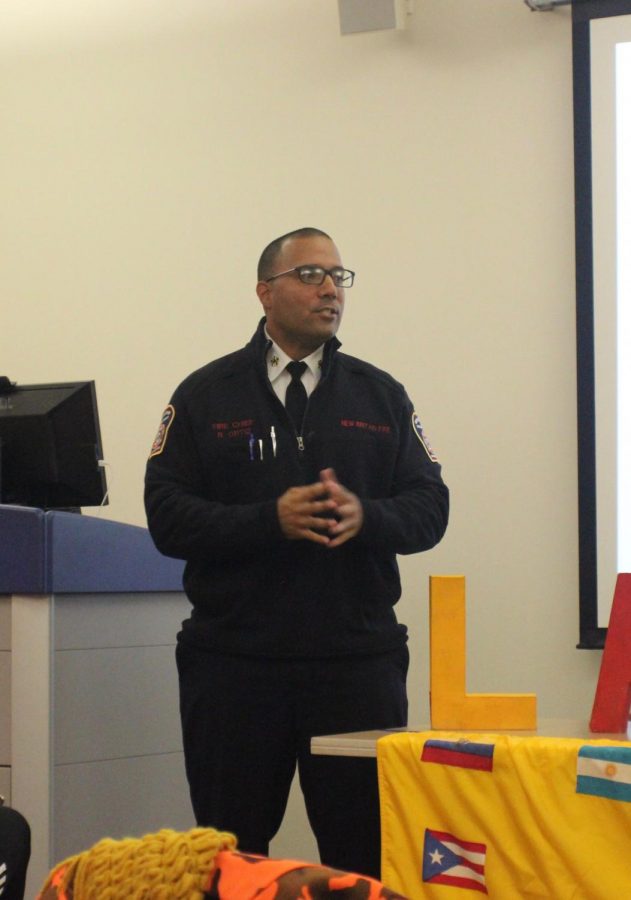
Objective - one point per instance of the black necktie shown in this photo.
(296, 396)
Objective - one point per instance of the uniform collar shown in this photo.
(260, 344)
(277, 360)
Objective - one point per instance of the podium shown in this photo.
(90, 741)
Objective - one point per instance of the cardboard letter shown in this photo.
(451, 707)
(610, 711)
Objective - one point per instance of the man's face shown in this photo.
(300, 316)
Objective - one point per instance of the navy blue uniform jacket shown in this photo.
(211, 491)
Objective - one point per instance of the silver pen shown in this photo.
(273, 437)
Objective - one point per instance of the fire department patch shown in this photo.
(418, 431)
(161, 437)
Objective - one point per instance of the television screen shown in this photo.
(50, 446)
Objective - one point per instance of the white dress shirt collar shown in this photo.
(277, 361)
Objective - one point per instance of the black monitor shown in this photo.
(50, 446)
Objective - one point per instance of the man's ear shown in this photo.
(263, 291)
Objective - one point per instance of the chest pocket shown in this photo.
(249, 469)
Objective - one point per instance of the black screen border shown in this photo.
(592, 635)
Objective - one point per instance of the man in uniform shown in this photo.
(288, 475)
(15, 852)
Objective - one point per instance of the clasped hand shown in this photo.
(325, 512)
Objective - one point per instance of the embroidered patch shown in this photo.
(373, 427)
(161, 437)
(237, 428)
(418, 430)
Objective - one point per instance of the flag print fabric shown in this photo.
(604, 772)
(463, 753)
(448, 860)
(513, 818)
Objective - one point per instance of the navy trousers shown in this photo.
(247, 723)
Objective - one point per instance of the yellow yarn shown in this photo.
(168, 865)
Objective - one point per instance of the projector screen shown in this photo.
(603, 162)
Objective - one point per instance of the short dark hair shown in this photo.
(270, 254)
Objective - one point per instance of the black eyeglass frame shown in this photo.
(337, 281)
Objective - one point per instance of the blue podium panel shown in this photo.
(67, 553)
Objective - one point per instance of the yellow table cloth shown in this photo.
(514, 818)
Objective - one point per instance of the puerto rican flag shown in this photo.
(450, 860)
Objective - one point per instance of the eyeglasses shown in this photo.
(316, 275)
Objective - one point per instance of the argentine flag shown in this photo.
(604, 772)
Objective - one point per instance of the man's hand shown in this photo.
(301, 513)
(348, 509)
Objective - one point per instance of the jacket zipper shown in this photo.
(299, 437)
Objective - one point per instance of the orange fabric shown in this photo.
(240, 874)
(56, 892)
(243, 875)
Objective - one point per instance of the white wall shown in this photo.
(150, 150)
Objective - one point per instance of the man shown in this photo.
(290, 530)
(15, 852)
